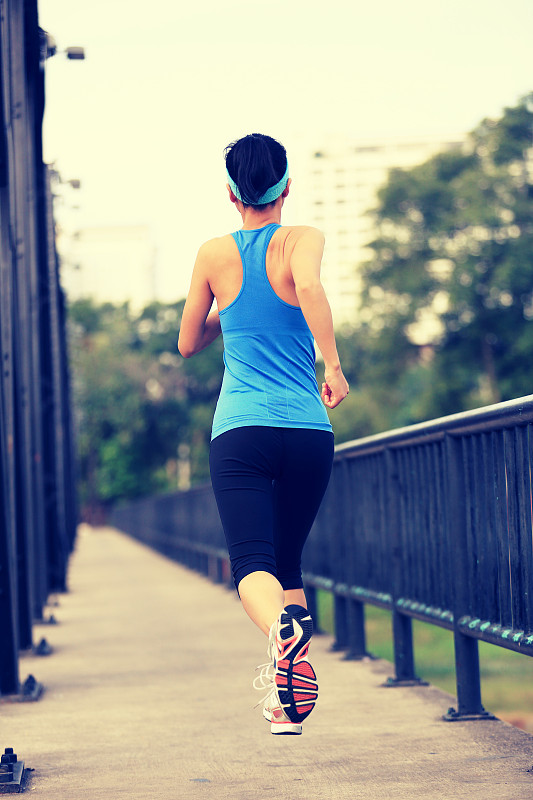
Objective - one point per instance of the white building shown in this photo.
(109, 264)
(338, 184)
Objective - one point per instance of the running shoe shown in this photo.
(294, 678)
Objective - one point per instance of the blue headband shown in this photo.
(269, 196)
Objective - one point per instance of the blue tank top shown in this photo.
(269, 354)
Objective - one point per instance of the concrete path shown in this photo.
(148, 696)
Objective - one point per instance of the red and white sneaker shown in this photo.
(295, 681)
(288, 676)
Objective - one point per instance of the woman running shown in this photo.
(272, 443)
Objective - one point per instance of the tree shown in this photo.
(448, 292)
(137, 401)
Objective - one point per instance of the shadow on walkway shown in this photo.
(148, 695)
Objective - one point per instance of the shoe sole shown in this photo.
(286, 728)
(295, 678)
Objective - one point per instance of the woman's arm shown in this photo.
(198, 327)
(305, 266)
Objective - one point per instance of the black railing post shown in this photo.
(356, 630)
(340, 533)
(355, 609)
(312, 606)
(467, 679)
(219, 569)
(340, 616)
(402, 627)
(466, 648)
(228, 574)
(404, 657)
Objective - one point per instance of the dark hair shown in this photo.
(256, 162)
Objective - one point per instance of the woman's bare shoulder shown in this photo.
(215, 247)
(216, 251)
(301, 230)
(307, 234)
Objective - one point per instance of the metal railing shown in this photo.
(37, 506)
(432, 522)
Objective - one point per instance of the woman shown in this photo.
(272, 443)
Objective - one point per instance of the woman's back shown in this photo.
(225, 272)
(269, 356)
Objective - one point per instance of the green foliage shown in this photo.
(137, 401)
(448, 295)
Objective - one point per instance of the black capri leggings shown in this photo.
(268, 484)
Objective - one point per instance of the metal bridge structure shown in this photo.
(37, 475)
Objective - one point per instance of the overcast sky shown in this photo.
(166, 85)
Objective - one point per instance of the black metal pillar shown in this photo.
(340, 615)
(466, 648)
(356, 630)
(402, 628)
(9, 677)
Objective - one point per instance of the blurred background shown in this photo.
(409, 131)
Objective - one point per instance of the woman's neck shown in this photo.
(252, 218)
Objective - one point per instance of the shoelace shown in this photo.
(265, 680)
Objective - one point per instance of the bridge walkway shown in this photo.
(148, 695)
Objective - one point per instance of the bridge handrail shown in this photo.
(498, 415)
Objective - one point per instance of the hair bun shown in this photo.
(255, 163)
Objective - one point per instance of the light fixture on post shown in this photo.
(75, 53)
(72, 53)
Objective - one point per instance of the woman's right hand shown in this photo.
(335, 387)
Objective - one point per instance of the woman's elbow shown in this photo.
(184, 349)
(308, 287)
